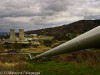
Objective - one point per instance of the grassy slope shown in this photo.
(88, 65)
(53, 68)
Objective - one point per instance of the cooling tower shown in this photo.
(21, 35)
(12, 35)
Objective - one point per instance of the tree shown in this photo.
(47, 43)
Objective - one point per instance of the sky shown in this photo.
(38, 14)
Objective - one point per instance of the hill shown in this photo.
(78, 27)
(4, 33)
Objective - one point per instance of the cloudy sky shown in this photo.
(37, 14)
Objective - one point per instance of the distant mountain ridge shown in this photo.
(78, 27)
(3, 33)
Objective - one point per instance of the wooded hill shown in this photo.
(77, 27)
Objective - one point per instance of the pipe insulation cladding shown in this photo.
(84, 41)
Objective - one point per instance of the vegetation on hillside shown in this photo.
(61, 32)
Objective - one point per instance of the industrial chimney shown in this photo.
(12, 35)
(21, 35)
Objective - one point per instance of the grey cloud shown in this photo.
(23, 7)
(93, 17)
(46, 13)
(55, 5)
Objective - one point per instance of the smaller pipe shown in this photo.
(18, 54)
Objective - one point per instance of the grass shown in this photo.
(79, 63)
(34, 50)
(52, 68)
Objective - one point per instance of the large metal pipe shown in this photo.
(84, 41)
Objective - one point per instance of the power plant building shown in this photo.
(13, 37)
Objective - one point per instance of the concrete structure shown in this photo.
(21, 35)
(12, 35)
(33, 35)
